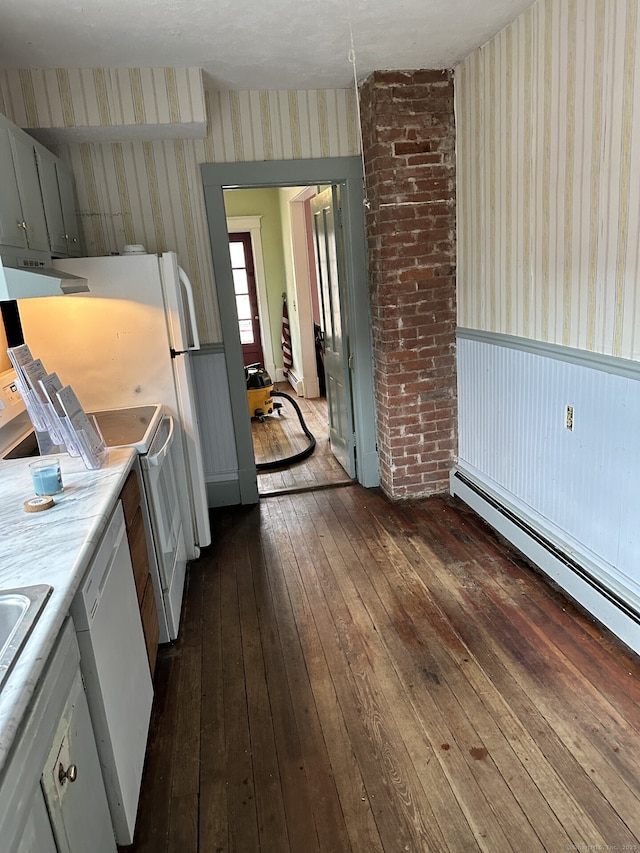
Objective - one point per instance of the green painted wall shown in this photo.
(266, 203)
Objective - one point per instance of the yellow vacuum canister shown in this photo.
(259, 388)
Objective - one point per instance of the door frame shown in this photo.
(216, 177)
(300, 255)
(252, 225)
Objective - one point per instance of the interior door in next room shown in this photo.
(244, 283)
(330, 267)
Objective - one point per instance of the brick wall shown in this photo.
(409, 150)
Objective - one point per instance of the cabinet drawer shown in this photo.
(130, 497)
(150, 623)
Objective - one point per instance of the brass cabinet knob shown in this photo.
(71, 773)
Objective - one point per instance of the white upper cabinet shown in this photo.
(24, 162)
(12, 232)
(37, 201)
(69, 214)
(52, 204)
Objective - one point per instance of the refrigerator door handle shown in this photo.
(188, 289)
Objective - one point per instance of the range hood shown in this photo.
(34, 281)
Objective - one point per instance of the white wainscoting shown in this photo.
(579, 490)
(220, 458)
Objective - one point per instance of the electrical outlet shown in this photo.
(568, 418)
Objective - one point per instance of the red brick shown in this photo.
(409, 147)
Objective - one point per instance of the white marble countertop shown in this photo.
(53, 547)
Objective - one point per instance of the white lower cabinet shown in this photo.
(72, 782)
(52, 796)
(38, 832)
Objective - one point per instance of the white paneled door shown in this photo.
(329, 248)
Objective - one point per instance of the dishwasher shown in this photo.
(115, 669)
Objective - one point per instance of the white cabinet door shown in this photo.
(48, 173)
(73, 785)
(24, 162)
(37, 200)
(38, 835)
(11, 231)
(38, 813)
(69, 210)
(330, 267)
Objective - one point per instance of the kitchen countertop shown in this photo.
(52, 547)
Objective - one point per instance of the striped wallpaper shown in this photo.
(103, 97)
(150, 192)
(281, 125)
(548, 123)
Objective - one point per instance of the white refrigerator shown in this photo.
(128, 342)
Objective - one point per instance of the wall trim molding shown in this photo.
(584, 358)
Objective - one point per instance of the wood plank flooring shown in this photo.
(280, 436)
(357, 675)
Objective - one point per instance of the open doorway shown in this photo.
(345, 172)
(274, 267)
(276, 223)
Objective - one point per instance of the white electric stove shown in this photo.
(152, 433)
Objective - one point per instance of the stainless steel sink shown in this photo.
(19, 612)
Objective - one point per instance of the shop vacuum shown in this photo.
(260, 396)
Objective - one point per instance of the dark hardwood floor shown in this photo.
(357, 675)
(281, 435)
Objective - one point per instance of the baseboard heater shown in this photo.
(295, 382)
(618, 614)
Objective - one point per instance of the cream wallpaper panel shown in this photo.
(102, 97)
(548, 123)
(281, 125)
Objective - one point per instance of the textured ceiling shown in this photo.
(251, 44)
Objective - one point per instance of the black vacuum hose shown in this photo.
(297, 457)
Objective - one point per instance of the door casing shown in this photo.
(216, 177)
(252, 225)
(252, 353)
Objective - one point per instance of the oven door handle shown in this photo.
(153, 461)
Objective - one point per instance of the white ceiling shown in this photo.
(251, 44)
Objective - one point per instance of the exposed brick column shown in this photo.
(408, 134)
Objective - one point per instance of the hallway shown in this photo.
(357, 675)
(280, 436)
